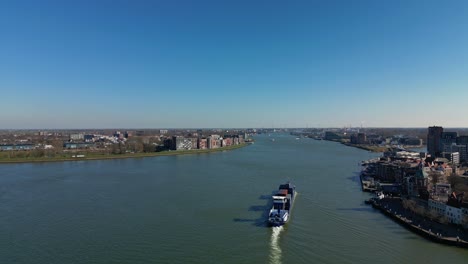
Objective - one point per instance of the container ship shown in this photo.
(282, 205)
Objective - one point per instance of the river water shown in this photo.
(203, 208)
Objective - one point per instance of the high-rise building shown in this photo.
(447, 140)
(463, 150)
(434, 135)
(462, 147)
(462, 140)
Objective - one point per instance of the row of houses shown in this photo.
(453, 208)
(28, 146)
(210, 142)
(17, 146)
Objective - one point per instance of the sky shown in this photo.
(226, 64)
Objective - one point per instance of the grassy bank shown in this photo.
(104, 156)
(372, 148)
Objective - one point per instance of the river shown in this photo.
(203, 208)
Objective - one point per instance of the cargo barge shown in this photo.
(280, 213)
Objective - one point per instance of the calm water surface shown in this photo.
(206, 208)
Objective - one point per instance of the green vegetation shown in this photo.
(44, 156)
(373, 148)
(459, 184)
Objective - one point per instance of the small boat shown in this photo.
(280, 213)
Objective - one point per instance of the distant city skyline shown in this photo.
(239, 64)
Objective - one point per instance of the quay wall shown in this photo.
(452, 241)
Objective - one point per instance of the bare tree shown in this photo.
(435, 176)
(115, 149)
(464, 221)
(443, 219)
(420, 210)
(412, 206)
(405, 204)
(432, 214)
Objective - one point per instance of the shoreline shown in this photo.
(421, 225)
(417, 229)
(371, 148)
(366, 147)
(124, 156)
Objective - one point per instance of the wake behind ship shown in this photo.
(280, 213)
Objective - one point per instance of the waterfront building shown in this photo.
(453, 214)
(202, 143)
(209, 142)
(168, 143)
(438, 206)
(194, 143)
(181, 143)
(451, 206)
(456, 209)
(226, 142)
(74, 145)
(215, 143)
(17, 147)
(433, 140)
(389, 172)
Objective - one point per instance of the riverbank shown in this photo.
(372, 148)
(105, 156)
(440, 233)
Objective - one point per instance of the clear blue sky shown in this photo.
(151, 64)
